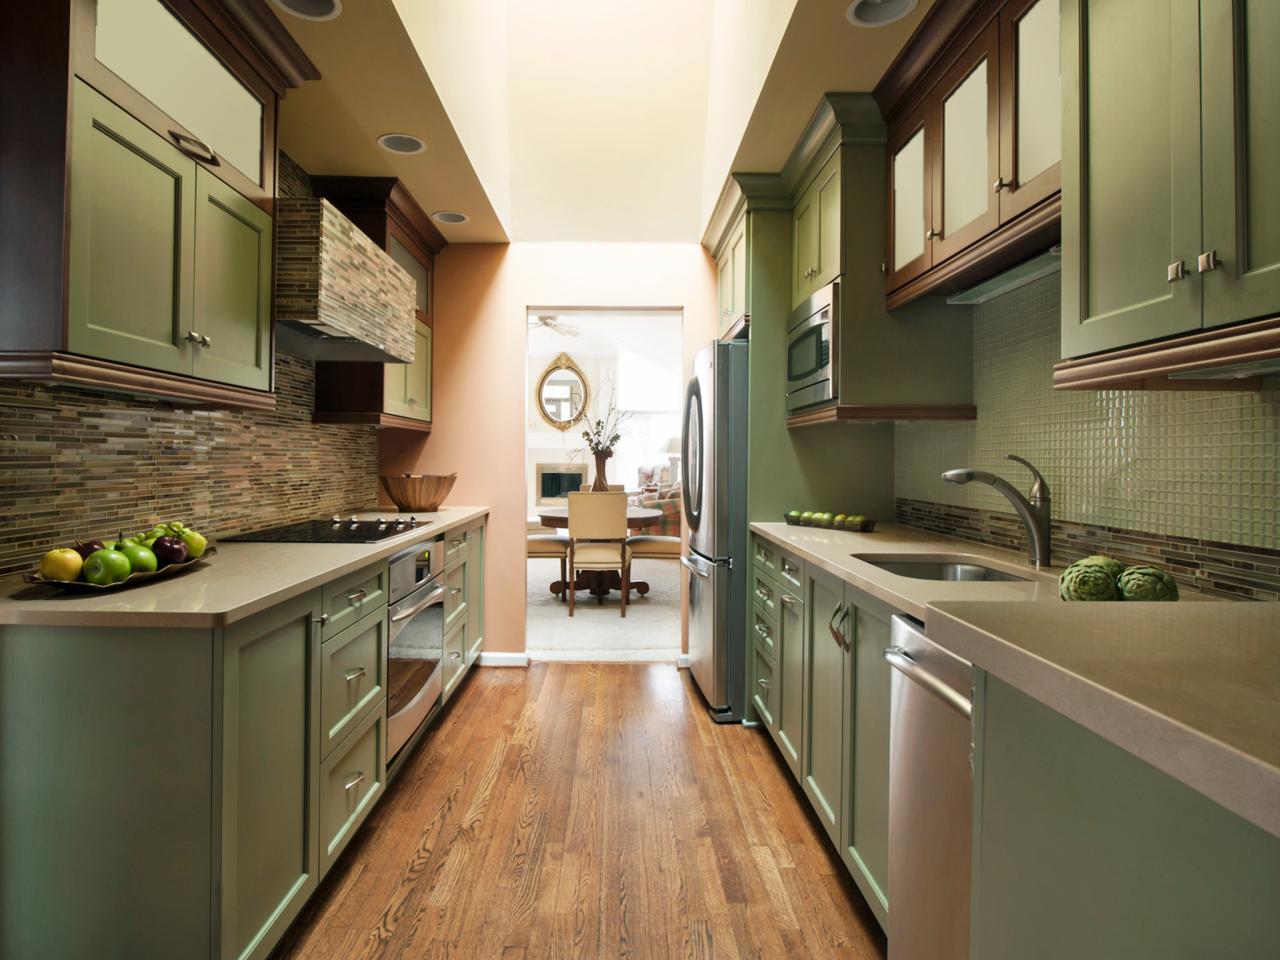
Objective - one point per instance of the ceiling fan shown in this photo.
(558, 325)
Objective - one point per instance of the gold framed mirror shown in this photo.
(562, 393)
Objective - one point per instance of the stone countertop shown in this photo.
(836, 551)
(1191, 688)
(240, 580)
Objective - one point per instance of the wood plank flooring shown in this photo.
(588, 810)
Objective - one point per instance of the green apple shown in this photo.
(141, 559)
(195, 542)
(62, 563)
(106, 567)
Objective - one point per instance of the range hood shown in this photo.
(338, 295)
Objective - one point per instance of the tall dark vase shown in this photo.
(601, 484)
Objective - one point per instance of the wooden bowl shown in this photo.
(418, 492)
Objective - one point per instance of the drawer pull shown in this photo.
(354, 781)
(788, 600)
(355, 674)
(455, 655)
(454, 591)
(455, 543)
(321, 620)
(195, 149)
(763, 683)
(359, 595)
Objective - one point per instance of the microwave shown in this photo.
(812, 375)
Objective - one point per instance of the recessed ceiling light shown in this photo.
(311, 9)
(877, 13)
(401, 143)
(449, 216)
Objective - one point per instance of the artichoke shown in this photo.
(1147, 583)
(1113, 567)
(1087, 581)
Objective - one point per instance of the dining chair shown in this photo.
(550, 546)
(598, 539)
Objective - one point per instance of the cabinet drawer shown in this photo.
(764, 630)
(764, 556)
(455, 656)
(349, 598)
(352, 678)
(455, 594)
(456, 546)
(763, 693)
(765, 593)
(350, 782)
(790, 571)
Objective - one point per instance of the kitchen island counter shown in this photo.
(239, 581)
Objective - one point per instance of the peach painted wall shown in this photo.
(483, 292)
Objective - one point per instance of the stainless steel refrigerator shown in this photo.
(715, 504)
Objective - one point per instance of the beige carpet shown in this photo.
(650, 630)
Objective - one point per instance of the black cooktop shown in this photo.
(334, 530)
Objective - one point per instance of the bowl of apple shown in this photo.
(90, 565)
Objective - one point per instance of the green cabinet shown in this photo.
(791, 651)
(826, 677)
(270, 760)
(1169, 190)
(351, 781)
(1080, 849)
(170, 267)
(475, 589)
(778, 642)
(731, 276)
(407, 386)
(815, 225)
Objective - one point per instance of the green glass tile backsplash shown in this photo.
(1186, 463)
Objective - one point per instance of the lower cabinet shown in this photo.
(820, 686)
(475, 590)
(455, 652)
(351, 781)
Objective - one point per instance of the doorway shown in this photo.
(617, 374)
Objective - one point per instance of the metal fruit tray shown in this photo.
(132, 580)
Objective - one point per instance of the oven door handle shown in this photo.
(433, 596)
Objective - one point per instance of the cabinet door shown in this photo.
(825, 677)
(233, 261)
(475, 590)
(865, 848)
(395, 388)
(1130, 172)
(790, 682)
(132, 239)
(966, 206)
(826, 261)
(910, 241)
(455, 657)
(1030, 105)
(1240, 77)
(804, 244)
(270, 760)
(417, 386)
(724, 288)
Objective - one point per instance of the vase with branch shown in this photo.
(602, 435)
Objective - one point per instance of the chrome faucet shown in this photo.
(1034, 513)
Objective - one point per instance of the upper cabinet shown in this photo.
(1170, 193)
(731, 279)
(149, 137)
(973, 160)
(815, 231)
(385, 394)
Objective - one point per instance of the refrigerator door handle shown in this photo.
(694, 568)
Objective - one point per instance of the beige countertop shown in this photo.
(240, 580)
(1191, 688)
(837, 552)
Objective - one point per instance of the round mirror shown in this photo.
(562, 393)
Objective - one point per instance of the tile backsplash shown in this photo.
(75, 463)
(1194, 464)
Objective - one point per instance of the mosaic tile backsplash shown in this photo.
(1192, 464)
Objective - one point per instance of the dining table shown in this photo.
(599, 582)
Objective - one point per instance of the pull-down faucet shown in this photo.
(1034, 513)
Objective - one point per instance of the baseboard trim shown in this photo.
(606, 656)
(497, 659)
(682, 661)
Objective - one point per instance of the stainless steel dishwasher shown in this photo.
(930, 797)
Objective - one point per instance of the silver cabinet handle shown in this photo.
(762, 631)
(454, 591)
(455, 543)
(193, 337)
(357, 596)
(357, 779)
(355, 674)
(836, 635)
(321, 620)
(1177, 271)
(455, 655)
(931, 233)
(196, 149)
(788, 600)
(901, 661)
(1208, 261)
(205, 341)
(1000, 184)
(763, 682)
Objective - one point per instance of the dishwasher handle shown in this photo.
(902, 661)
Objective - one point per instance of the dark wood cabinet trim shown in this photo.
(388, 197)
(283, 60)
(1149, 366)
(66, 368)
(385, 420)
(1034, 232)
(910, 124)
(870, 412)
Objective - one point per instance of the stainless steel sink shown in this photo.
(937, 568)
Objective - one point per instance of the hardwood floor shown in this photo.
(588, 810)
